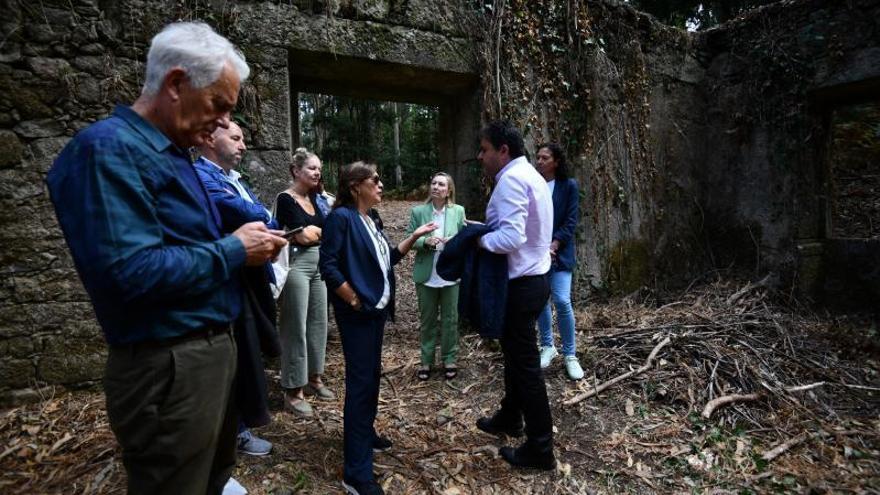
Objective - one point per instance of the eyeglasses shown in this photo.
(375, 179)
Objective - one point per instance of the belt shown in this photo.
(205, 332)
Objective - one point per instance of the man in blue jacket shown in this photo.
(220, 156)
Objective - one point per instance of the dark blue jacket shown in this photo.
(144, 236)
(234, 210)
(348, 255)
(565, 219)
(482, 293)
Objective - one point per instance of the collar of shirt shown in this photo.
(440, 211)
(512, 163)
(155, 137)
(232, 174)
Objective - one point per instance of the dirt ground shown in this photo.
(804, 417)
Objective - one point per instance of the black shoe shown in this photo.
(526, 457)
(494, 426)
(381, 444)
(362, 487)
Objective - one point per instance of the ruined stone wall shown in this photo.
(621, 93)
(692, 152)
(63, 65)
(772, 77)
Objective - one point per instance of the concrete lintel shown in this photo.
(315, 72)
(284, 26)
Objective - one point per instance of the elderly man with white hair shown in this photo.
(163, 279)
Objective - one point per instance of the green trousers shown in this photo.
(442, 302)
(303, 319)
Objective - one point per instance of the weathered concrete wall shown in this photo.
(64, 64)
(771, 80)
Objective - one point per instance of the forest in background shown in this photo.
(401, 138)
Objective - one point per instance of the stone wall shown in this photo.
(772, 78)
(699, 151)
(63, 65)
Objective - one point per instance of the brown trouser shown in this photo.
(169, 407)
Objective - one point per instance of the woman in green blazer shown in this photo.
(435, 294)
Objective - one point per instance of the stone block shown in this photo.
(51, 69)
(17, 347)
(93, 64)
(268, 172)
(87, 90)
(16, 373)
(41, 128)
(92, 49)
(11, 149)
(71, 361)
(45, 150)
(10, 53)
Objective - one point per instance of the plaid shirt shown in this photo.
(144, 236)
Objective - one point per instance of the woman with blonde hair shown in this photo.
(437, 296)
(303, 301)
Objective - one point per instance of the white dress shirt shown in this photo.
(439, 220)
(521, 213)
(383, 253)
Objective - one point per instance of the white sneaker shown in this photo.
(234, 488)
(573, 368)
(547, 355)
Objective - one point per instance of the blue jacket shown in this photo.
(566, 214)
(482, 293)
(348, 255)
(143, 234)
(234, 210)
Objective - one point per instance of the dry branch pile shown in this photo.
(678, 422)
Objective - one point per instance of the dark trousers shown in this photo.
(362, 348)
(525, 396)
(168, 406)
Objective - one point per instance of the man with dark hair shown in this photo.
(237, 205)
(521, 213)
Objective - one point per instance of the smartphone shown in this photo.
(288, 234)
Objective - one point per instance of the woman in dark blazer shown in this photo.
(356, 263)
(553, 167)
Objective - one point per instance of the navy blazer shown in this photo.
(348, 255)
(566, 213)
(482, 296)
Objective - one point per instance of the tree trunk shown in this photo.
(398, 170)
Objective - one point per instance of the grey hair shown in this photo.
(197, 49)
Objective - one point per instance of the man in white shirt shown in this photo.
(521, 213)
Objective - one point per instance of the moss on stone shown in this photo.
(629, 266)
(11, 149)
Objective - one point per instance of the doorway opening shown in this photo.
(401, 138)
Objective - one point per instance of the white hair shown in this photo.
(194, 47)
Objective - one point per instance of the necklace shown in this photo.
(379, 239)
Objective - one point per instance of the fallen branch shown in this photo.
(725, 400)
(804, 388)
(784, 446)
(618, 379)
(748, 288)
